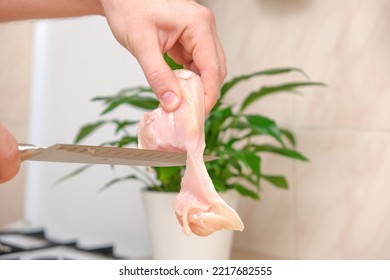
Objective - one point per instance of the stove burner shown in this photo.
(33, 245)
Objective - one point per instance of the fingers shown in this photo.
(212, 79)
(150, 28)
(213, 75)
(9, 155)
(160, 77)
(207, 55)
(208, 61)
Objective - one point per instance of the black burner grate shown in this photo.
(27, 245)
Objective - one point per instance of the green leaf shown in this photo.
(170, 178)
(234, 164)
(166, 173)
(267, 90)
(278, 181)
(213, 126)
(220, 173)
(221, 113)
(249, 159)
(120, 125)
(124, 92)
(248, 177)
(72, 174)
(281, 151)
(229, 144)
(118, 180)
(171, 63)
(219, 184)
(87, 130)
(246, 192)
(264, 125)
(289, 135)
(229, 84)
(140, 102)
(124, 141)
(253, 162)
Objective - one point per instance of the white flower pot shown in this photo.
(168, 240)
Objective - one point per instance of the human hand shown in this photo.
(183, 29)
(9, 155)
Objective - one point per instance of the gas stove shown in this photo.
(34, 245)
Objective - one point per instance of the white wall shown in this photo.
(75, 60)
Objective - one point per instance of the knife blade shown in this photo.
(72, 153)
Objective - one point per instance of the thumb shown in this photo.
(160, 77)
(9, 155)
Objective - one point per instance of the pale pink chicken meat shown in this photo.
(199, 208)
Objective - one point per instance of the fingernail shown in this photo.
(169, 101)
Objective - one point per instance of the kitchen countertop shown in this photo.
(238, 254)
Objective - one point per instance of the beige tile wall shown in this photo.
(15, 60)
(338, 206)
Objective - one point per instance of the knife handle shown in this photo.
(26, 151)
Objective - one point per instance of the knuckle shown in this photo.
(206, 14)
(157, 79)
(154, 76)
(223, 72)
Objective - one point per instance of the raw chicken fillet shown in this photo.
(199, 208)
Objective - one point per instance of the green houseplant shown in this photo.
(231, 134)
(239, 138)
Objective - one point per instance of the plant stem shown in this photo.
(148, 179)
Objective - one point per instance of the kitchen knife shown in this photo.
(72, 153)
